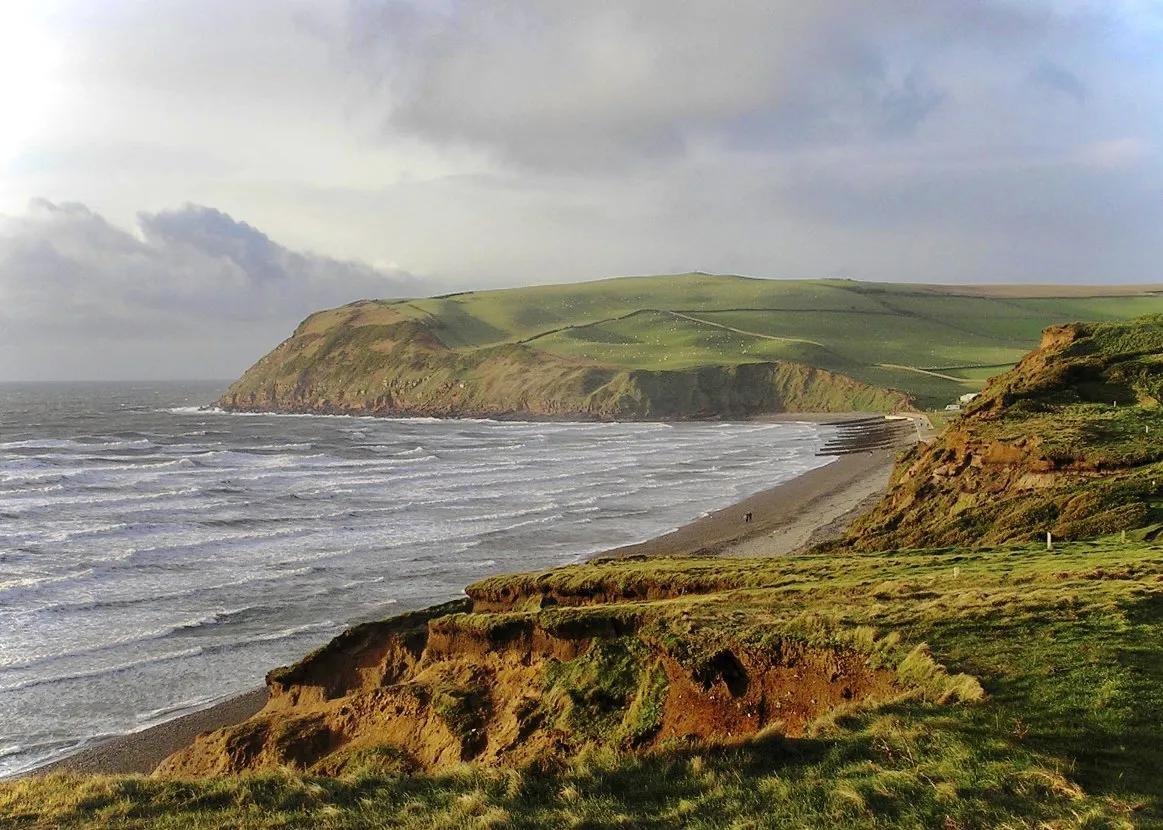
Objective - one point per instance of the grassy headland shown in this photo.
(682, 346)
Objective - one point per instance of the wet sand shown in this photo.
(785, 519)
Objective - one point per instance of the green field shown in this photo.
(933, 342)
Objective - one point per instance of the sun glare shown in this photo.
(29, 88)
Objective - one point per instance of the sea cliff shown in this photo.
(1067, 443)
(369, 359)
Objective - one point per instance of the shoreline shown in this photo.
(786, 519)
(139, 752)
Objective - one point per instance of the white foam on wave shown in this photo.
(293, 631)
(172, 710)
(91, 445)
(210, 620)
(155, 597)
(105, 502)
(117, 643)
(43, 443)
(9, 587)
(103, 671)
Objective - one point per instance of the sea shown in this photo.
(157, 556)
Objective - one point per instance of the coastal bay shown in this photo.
(810, 508)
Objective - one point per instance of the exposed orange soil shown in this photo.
(394, 688)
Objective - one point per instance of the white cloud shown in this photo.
(184, 276)
(612, 85)
(1116, 154)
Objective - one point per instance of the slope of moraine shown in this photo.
(689, 346)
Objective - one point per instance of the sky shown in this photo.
(182, 181)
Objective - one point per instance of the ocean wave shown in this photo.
(517, 513)
(94, 444)
(540, 520)
(167, 554)
(155, 597)
(174, 710)
(103, 502)
(285, 633)
(220, 618)
(104, 671)
(61, 747)
(214, 410)
(215, 620)
(11, 587)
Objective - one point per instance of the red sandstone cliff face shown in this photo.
(1060, 444)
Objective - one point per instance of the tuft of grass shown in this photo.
(644, 715)
(920, 671)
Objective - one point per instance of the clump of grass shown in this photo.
(919, 670)
(462, 709)
(644, 715)
(593, 691)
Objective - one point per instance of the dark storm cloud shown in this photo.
(606, 85)
(962, 140)
(1060, 79)
(69, 276)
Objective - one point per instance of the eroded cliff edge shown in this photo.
(369, 358)
(1068, 442)
(540, 667)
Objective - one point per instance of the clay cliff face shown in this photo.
(1068, 442)
(523, 671)
(368, 358)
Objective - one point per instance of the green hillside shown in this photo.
(929, 343)
(1066, 442)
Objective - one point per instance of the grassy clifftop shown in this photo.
(1068, 442)
(660, 347)
(950, 688)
